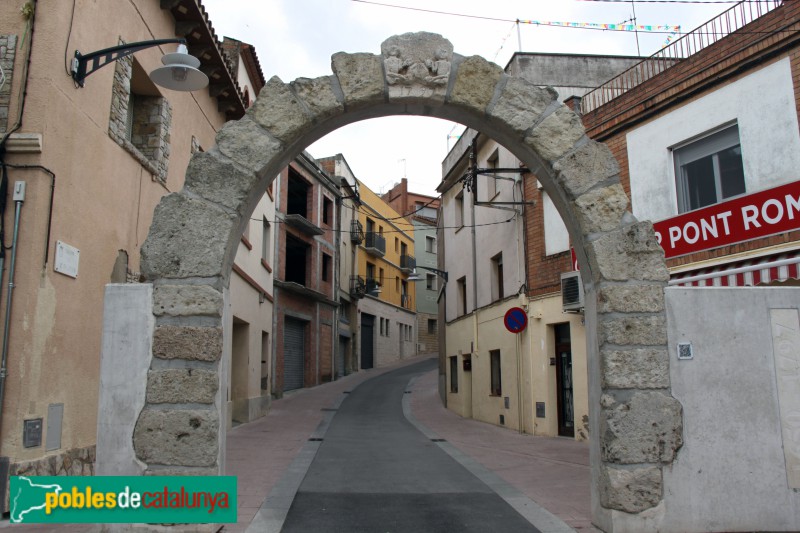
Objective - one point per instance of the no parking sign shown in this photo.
(516, 320)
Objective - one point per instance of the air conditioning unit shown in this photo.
(571, 292)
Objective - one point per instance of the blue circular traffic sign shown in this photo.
(515, 320)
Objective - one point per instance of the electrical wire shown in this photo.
(403, 231)
(570, 26)
(66, 44)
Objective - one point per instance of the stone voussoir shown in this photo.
(474, 86)
(177, 437)
(630, 490)
(635, 368)
(189, 343)
(642, 330)
(360, 77)
(188, 238)
(630, 252)
(187, 300)
(639, 298)
(417, 67)
(645, 428)
(601, 210)
(181, 385)
(278, 110)
(218, 180)
(248, 144)
(319, 97)
(583, 169)
(556, 134)
(521, 104)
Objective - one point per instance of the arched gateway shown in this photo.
(635, 422)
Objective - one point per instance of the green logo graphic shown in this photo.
(123, 499)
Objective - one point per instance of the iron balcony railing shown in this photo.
(356, 232)
(375, 244)
(408, 263)
(689, 44)
(358, 287)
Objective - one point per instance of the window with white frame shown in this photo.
(709, 170)
(460, 209)
(430, 282)
(491, 179)
(430, 245)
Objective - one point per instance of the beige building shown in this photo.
(95, 161)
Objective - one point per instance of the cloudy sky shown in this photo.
(296, 38)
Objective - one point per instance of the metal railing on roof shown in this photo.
(689, 44)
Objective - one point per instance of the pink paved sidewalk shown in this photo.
(553, 472)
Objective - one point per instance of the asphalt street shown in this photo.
(376, 472)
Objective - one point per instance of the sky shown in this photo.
(296, 38)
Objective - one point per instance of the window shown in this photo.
(709, 170)
(326, 267)
(460, 209)
(396, 245)
(140, 117)
(296, 252)
(327, 211)
(382, 324)
(297, 195)
(454, 373)
(497, 277)
(380, 278)
(266, 240)
(432, 326)
(491, 179)
(494, 361)
(430, 282)
(461, 285)
(430, 245)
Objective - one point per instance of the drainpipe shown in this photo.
(472, 161)
(337, 253)
(19, 198)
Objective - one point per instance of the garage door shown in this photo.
(293, 354)
(342, 356)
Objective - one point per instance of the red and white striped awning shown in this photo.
(748, 273)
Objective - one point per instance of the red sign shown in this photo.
(515, 320)
(748, 217)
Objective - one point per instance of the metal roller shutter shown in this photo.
(341, 356)
(293, 354)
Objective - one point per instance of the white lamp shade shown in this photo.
(179, 72)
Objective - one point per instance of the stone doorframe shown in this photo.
(635, 423)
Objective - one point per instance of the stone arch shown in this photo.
(635, 422)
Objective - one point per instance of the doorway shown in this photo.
(564, 381)
(367, 341)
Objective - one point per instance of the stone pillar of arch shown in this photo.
(635, 423)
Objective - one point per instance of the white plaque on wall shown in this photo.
(67, 258)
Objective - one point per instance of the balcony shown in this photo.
(408, 263)
(356, 232)
(301, 223)
(358, 287)
(375, 244)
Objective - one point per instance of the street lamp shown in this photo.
(416, 277)
(179, 72)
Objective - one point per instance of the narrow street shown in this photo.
(375, 471)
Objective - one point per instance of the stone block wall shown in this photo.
(8, 51)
